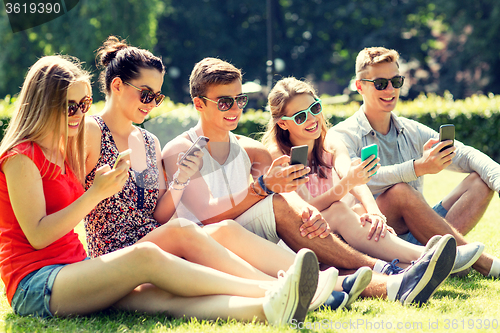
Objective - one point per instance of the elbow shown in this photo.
(38, 244)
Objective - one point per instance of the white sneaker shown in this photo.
(326, 283)
(291, 296)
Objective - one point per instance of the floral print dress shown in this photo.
(127, 216)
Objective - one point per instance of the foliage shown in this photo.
(444, 45)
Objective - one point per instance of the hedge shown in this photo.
(476, 119)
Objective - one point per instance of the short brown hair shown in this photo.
(374, 55)
(211, 71)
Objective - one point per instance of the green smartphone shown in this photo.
(369, 151)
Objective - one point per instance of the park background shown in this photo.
(450, 55)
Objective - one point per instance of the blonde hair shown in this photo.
(284, 90)
(372, 56)
(42, 104)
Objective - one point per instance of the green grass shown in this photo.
(460, 304)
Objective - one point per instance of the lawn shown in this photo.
(467, 304)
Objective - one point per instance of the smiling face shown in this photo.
(76, 92)
(135, 110)
(377, 101)
(224, 121)
(307, 132)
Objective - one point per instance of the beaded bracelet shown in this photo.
(263, 186)
(176, 182)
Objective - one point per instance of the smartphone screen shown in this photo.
(299, 156)
(369, 151)
(200, 142)
(447, 132)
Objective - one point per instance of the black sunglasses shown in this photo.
(147, 95)
(226, 103)
(381, 84)
(83, 105)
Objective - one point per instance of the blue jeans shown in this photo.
(438, 208)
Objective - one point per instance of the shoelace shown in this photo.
(273, 288)
(393, 268)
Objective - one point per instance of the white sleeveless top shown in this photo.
(222, 179)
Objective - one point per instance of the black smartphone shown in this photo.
(299, 156)
(447, 132)
(369, 151)
(200, 142)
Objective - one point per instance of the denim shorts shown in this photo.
(438, 208)
(33, 293)
(32, 296)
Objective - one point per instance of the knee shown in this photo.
(223, 229)
(401, 192)
(144, 253)
(479, 185)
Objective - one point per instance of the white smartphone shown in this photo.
(122, 155)
(197, 145)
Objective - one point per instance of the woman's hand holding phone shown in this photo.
(109, 181)
(361, 172)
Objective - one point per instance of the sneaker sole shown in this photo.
(437, 271)
(471, 262)
(306, 285)
(359, 285)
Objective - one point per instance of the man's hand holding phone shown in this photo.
(438, 153)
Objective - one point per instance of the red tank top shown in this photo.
(17, 257)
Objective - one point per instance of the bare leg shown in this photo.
(467, 203)
(99, 283)
(345, 222)
(147, 298)
(406, 210)
(330, 250)
(260, 253)
(185, 239)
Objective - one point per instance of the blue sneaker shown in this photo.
(425, 275)
(392, 268)
(336, 301)
(354, 284)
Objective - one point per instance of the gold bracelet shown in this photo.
(254, 192)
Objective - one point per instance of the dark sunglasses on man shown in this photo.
(147, 95)
(381, 84)
(226, 103)
(83, 105)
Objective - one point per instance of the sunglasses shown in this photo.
(147, 95)
(381, 84)
(226, 103)
(83, 105)
(300, 117)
